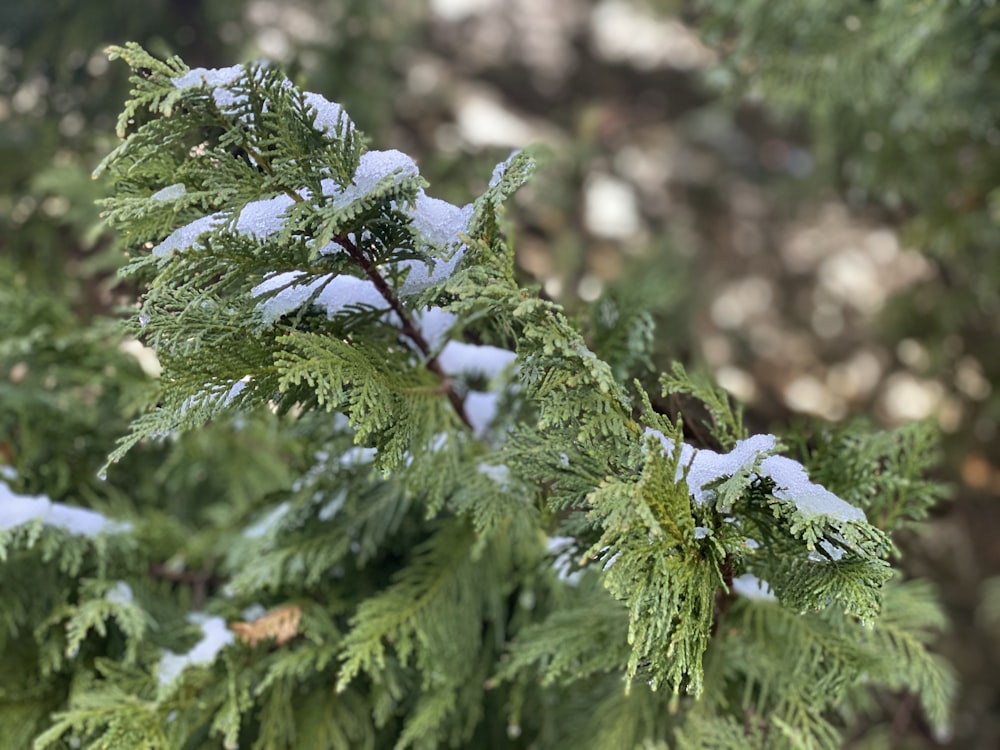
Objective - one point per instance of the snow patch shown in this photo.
(709, 466)
(215, 637)
(267, 523)
(17, 510)
(186, 236)
(501, 169)
(472, 360)
(330, 116)
(565, 563)
(373, 167)
(263, 218)
(120, 593)
(481, 409)
(751, 587)
(434, 324)
(218, 79)
(338, 293)
(437, 225)
(499, 473)
(791, 483)
(208, 77)
(437, 222)
(169, 193)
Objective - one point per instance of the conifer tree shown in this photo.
(495, 539)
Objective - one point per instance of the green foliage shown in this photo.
(726, 425)
(473, 534)
(882, 471)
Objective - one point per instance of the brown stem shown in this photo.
(199, 580)
(723, 598)
(409, 330)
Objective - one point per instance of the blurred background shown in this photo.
(804, 193)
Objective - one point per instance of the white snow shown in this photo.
(481, 409)
(423, 274)
(611, 560)
(501, 169)
(16, 510)
(437, 225)
(565, 563)
(332, 507)
(709, 466)
(333, 248)
(497, 472)
(330, 116)
(263, 218)
(791, 483)
(687, 451)
(215, 395)
(358, 456)
(254, 612)
(267, 523)
(120, 593)
(434, 323)
(215, 636)
(218, 79)
(751, 587)
(208, 77)
(187, 235)
(438, 222)
(373, 167)
(471, 360)
(832, 550)
(169, 193)
(338, 293)
(78, 521)
(235, 390)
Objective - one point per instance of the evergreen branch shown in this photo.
(437, 573)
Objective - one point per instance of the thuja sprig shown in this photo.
(516, 477)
